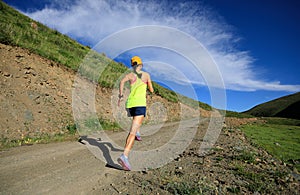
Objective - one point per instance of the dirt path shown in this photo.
(232, 167)
(69, 167)
(53, 168)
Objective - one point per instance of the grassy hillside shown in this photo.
(279, 136)
(286, 107)
(19, 30)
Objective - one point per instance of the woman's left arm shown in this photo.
(150, 87)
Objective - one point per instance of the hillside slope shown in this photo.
(20, 30)
(36, 97)
(286, 107)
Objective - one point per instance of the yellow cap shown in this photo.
(136, 60)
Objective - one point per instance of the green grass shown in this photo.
(70, 133)
(39, 139)
(15, 29)
(257, 181)
(237, 114)
(183, 188)
(277, 138)
(282, 121)
(92, 125)
(246, 156)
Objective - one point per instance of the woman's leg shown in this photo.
(136, 124)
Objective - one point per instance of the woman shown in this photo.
(135, 105)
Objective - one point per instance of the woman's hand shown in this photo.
(120, 99)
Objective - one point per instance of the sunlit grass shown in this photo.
(280, 140)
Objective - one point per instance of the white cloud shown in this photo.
(90, 21)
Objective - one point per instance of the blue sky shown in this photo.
(255, 44)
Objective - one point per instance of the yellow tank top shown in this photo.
(137, 96)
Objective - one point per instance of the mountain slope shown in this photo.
(19, 30)
(292, 111)
(286, 107)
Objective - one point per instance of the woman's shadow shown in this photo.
(103, 146)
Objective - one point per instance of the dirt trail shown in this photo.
(53, 168)
(69, 167)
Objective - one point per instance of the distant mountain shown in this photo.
(286, 107)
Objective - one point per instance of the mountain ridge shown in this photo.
(285, 107)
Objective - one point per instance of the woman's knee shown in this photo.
(134, 127)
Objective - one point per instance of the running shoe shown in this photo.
(138, 137)
(123, 161)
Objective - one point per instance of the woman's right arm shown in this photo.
(122, 82)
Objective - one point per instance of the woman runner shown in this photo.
(135, 105)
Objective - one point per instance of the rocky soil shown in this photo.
(36, 99)
(35, 95)
(233, 166)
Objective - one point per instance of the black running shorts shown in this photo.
(136, 111)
